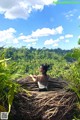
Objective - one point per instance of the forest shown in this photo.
(16, 63)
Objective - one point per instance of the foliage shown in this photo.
(24, 61)
(79, 41)
(7, 86)
(72, 75)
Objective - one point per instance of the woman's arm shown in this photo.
(34, 78)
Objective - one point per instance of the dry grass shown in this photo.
(55, 104)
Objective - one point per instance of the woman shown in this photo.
(42, 79)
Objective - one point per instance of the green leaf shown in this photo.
(10, 97)
(4, 60)
(79, 41)
(26, 91)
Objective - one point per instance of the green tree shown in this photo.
(79, 41)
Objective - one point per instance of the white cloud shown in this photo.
(79, 36)
(7, 35)
(61, 37)
(69, 36)
(43, 32)
(59, 30)
(17, 12)
(55, 45)
(47, 31)
(35, 35)
(70, 14)
(27, 38)
(15, 40)
(8, 38)
(51, 42)
(79, 17)
(29, 45)
(67, 41)
(13, 9)
(30, 40)
(34, 43)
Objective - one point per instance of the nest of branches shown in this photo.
(55, 104)
(53, 84)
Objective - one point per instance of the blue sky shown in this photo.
(40, 23)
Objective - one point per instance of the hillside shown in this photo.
(61, 102)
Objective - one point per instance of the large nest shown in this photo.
(55, 104)
(53, 84)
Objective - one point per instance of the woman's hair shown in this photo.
(45, 67)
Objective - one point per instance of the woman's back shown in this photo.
(42, 81)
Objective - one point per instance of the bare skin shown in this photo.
(43, 77)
